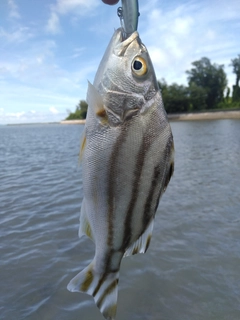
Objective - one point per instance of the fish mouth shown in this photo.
(122, 44)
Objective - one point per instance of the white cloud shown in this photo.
(210, 34)
(53, 110)
(63, 7)
(17, 115)
(182, 26)
(14, 13)
(30, 117)
(30, 64)
(53, 25)
(159, 57)
(19, 34)
(177, 36)
(39, 59)
(77, 52)
(22, 103)
(75, 6)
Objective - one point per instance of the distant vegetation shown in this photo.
(207, 90)
(80, 112)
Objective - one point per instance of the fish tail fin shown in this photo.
(103, 288)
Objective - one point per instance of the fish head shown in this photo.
(126, 79)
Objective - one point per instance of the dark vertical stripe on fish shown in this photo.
(88, 280)
(107, 291)
(150, 135)
(135, 190)
(156, 177)
(111, 183)
(100, 282)
(147, 208)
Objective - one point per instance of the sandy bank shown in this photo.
(73, 121)
(205, 116)
(186, 116)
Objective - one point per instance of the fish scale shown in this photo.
(127, 161)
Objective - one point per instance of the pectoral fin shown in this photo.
(95, 101)
(142, 243)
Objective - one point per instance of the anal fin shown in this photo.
(82, 145)
(142, 243)
(85, 227)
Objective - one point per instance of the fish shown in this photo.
(127, 157)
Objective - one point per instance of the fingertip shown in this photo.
(110, 2)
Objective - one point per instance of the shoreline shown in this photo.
(197, 116)
(79, 121)
(214, 115)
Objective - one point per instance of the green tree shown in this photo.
(80, 112)
(175, 97)
(235, 63)
(198, 96)
(211, 78)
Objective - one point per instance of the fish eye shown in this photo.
(139, 66)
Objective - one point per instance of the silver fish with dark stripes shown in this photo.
(127, 156)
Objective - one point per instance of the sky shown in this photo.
(49, 49)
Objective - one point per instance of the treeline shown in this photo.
(206, 90)
(80, 112)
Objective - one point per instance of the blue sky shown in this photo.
(50, 48)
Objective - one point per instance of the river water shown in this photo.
(192, 268)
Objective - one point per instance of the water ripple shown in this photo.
(191, 270)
